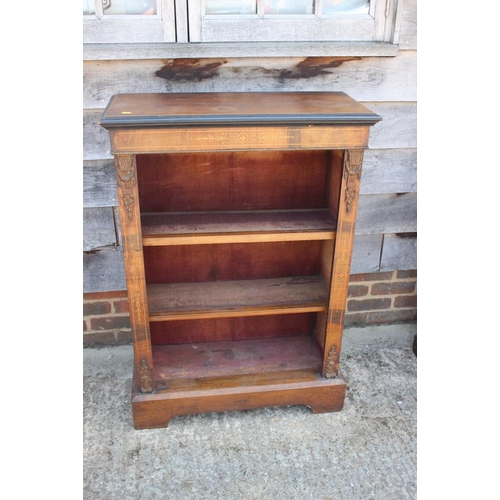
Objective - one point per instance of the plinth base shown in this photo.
(242, 392)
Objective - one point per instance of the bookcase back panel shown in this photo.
(240, 328)
(260, 180)
(238, 261)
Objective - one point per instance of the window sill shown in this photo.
(123, 51)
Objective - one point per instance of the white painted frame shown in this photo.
(377, 26)
(98, 28)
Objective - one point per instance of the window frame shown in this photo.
(157, 28)
(377, 26)
(176, 32)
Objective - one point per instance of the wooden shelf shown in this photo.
(257, 357)
(257, 297)
(189, 228)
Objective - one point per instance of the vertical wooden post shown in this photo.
(128, 198)
(347, 211)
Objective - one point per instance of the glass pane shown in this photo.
(288, 6)
(231, 7)
(346, 6)
(88, 7)
(124, 7)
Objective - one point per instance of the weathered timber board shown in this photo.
(388, 171)
(96, 145)
(398, 128)
(105, 32)
(98, 228)
(399, 251)
(99, 184)
(387, 213)
(366, 253)
(364, 79)
(103, 270)
(135, 51)
(408, 30)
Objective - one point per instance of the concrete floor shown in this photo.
(365, 452)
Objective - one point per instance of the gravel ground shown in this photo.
(367, 451)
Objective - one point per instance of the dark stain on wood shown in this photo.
(191, 70)
(313, 66)
(188, 70)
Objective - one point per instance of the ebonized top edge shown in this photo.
(235, 108)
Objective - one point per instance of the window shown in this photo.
(288, 20)
(122, 21)
(244, 21)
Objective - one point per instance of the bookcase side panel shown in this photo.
(128, 198)
(347, 211)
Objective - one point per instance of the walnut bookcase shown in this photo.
(237, 214)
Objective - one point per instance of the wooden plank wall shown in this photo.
(387, 221)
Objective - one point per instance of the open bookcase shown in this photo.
(237, 214)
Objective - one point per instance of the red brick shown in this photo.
(110, 323)
(357, 291)
(380, 317)
(96, 308)
(385, 276)
(392, 288)
(406, 301)
(121, 306)
(99, 338)
(368, 304)
(391, 316)
(107, 338)
(119, 294)
(407, 274)
(84, 326)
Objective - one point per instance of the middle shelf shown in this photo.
(255, 297)
(244, 226)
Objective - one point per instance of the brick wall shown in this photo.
(373, 299)
(381, 298)
(106, 318)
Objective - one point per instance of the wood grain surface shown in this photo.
(236, 298)
(222, 108)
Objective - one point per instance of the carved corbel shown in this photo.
(352, 174)
(125, 170)
(145, 382)
(332, 363)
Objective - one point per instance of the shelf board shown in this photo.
(185, 364)
(212, 299)
(246, 226)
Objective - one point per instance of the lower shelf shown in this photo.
(191, 362)
(235, 375)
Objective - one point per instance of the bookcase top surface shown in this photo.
(235, 108)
